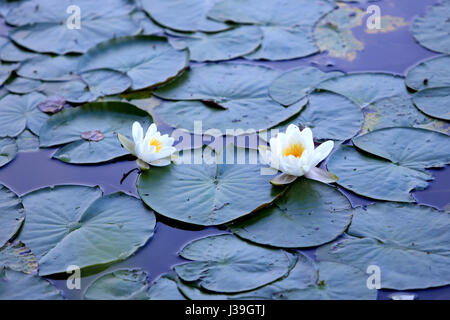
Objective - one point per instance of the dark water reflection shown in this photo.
(391, 52)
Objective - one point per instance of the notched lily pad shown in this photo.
(12, 214)
(8, 150)
(409, 243)
(224, 263)
(430, 73)
(434, 102)
(308, 214)
(65, 224)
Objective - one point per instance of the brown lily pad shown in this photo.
(52, 105)
(95, 135)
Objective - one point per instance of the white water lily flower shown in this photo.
(153, 149)
(294, 154)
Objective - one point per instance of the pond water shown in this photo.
(393, 52)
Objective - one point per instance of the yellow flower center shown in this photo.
(156, 143)
(294, 149)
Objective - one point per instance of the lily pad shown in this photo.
(49, 68)
(398, 111)
(124, 284)
(133, 284)
(89, 86)
(329, 115)
(335, 281)
(110, 118)
(294, 85)
(286, 25)
(21, 286)
(11, 214)
(18, 257)
(42, 26)
(409, 243)
(236, 96)
(399, 145)
(183, 15)
(430, 73)
(11, 53)
(225, 45)
(387, 180)
(309, 214)
(224, 263)
(5, 70)
(8, 150)
(65, 225)
(302, 274)
(366, 87)
(333, 33)
(433, 28)
(228, 191)
(434, 102)
(148, 27)
(22, 85)
(396, 165)
(20, 112)
(151, 60)
(27, 142)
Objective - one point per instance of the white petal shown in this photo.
(321, 175)
(165, 152)
(321, 152)
(306, 138)
(265, 154)
(161, 162)
(292, 129)
(143, 165)
(151, 131)
(138, 132)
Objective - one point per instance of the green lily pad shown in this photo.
(302, 274)
(433, 28)
(27, 142)
(5, 70)
(65, 225)
(224, 263)
(12, 214)
(110, 118)
(151, 60)
(286, 25)
(294, 85)
(183, 15)
(365, 88)
(399, 145)
(18, 257)
(335, 281)
(398, 111)
(334, 32)
(42, 27)
(329, 115)
(11, 53)
(409, 243)
(228, 191)
(123, 284)
(8, 150)
(236, 95)
(434, 102)
(148, 27)
(165, 288)
(22, 85)
(396, 165)
(49, 68)
(430, 73)
(388, 180)
(20, 112)
(89, 86)
(132, 284)
(224, 45)
(21, 286)
(309, 214)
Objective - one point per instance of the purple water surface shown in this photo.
(393, 52)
